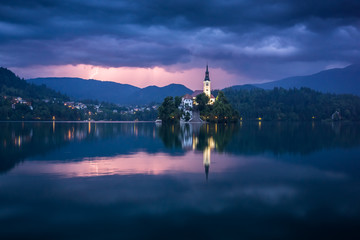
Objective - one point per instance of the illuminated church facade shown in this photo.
(188, 101)
(206, 88)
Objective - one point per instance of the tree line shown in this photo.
(278, 104)
(11, 86)
(302, 104)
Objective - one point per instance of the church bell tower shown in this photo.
(207, 85)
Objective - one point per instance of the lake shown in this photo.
(258, 180)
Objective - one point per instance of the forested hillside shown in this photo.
(301, 104)
(12, 85)
(20, 100)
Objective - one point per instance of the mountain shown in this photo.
(88, 89)
(21, 100)
(242, 87)
(157, 94)
(12, 85)
(78, 89)
(337, 80)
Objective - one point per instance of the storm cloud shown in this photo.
(262, 40)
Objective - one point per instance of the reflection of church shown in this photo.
(190, 141)
(207, 156)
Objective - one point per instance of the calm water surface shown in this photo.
(142, 181)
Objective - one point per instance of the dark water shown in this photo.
(142, 181)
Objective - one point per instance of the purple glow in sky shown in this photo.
(161, 42)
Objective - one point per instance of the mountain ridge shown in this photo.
(336, 80)
(79, 88)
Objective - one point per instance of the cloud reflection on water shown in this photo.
(277, 182)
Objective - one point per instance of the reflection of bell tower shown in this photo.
(206, 160)
(207, 84)
(207, 156)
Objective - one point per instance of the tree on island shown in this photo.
(177, 101)
(220, 111)
(202, 101)
(168, 112)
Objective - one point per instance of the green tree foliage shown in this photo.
(168, 112)
(11, 86)
(177, 101)
(107, 113)
(220, 111)
(301, 104)
(202, 101)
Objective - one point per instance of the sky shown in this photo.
(158, 42)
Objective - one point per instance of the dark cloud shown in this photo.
(255, 38)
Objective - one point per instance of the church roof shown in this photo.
(187, 96)
(196, 92)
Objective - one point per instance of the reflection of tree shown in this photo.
(222, 134)
(169, 133)
(19, 141)
(201, 137)
(256, 138)
(197, 136)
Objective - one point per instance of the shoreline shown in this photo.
(204, 122)
(77, 121)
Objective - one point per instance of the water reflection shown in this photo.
(254, 138)
(108, 180)
(137, 163)
(73, 141)
(78, 142)
(323, 144)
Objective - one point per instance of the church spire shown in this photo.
(207, 78)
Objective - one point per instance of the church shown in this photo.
(188, 101)
(206, 88)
